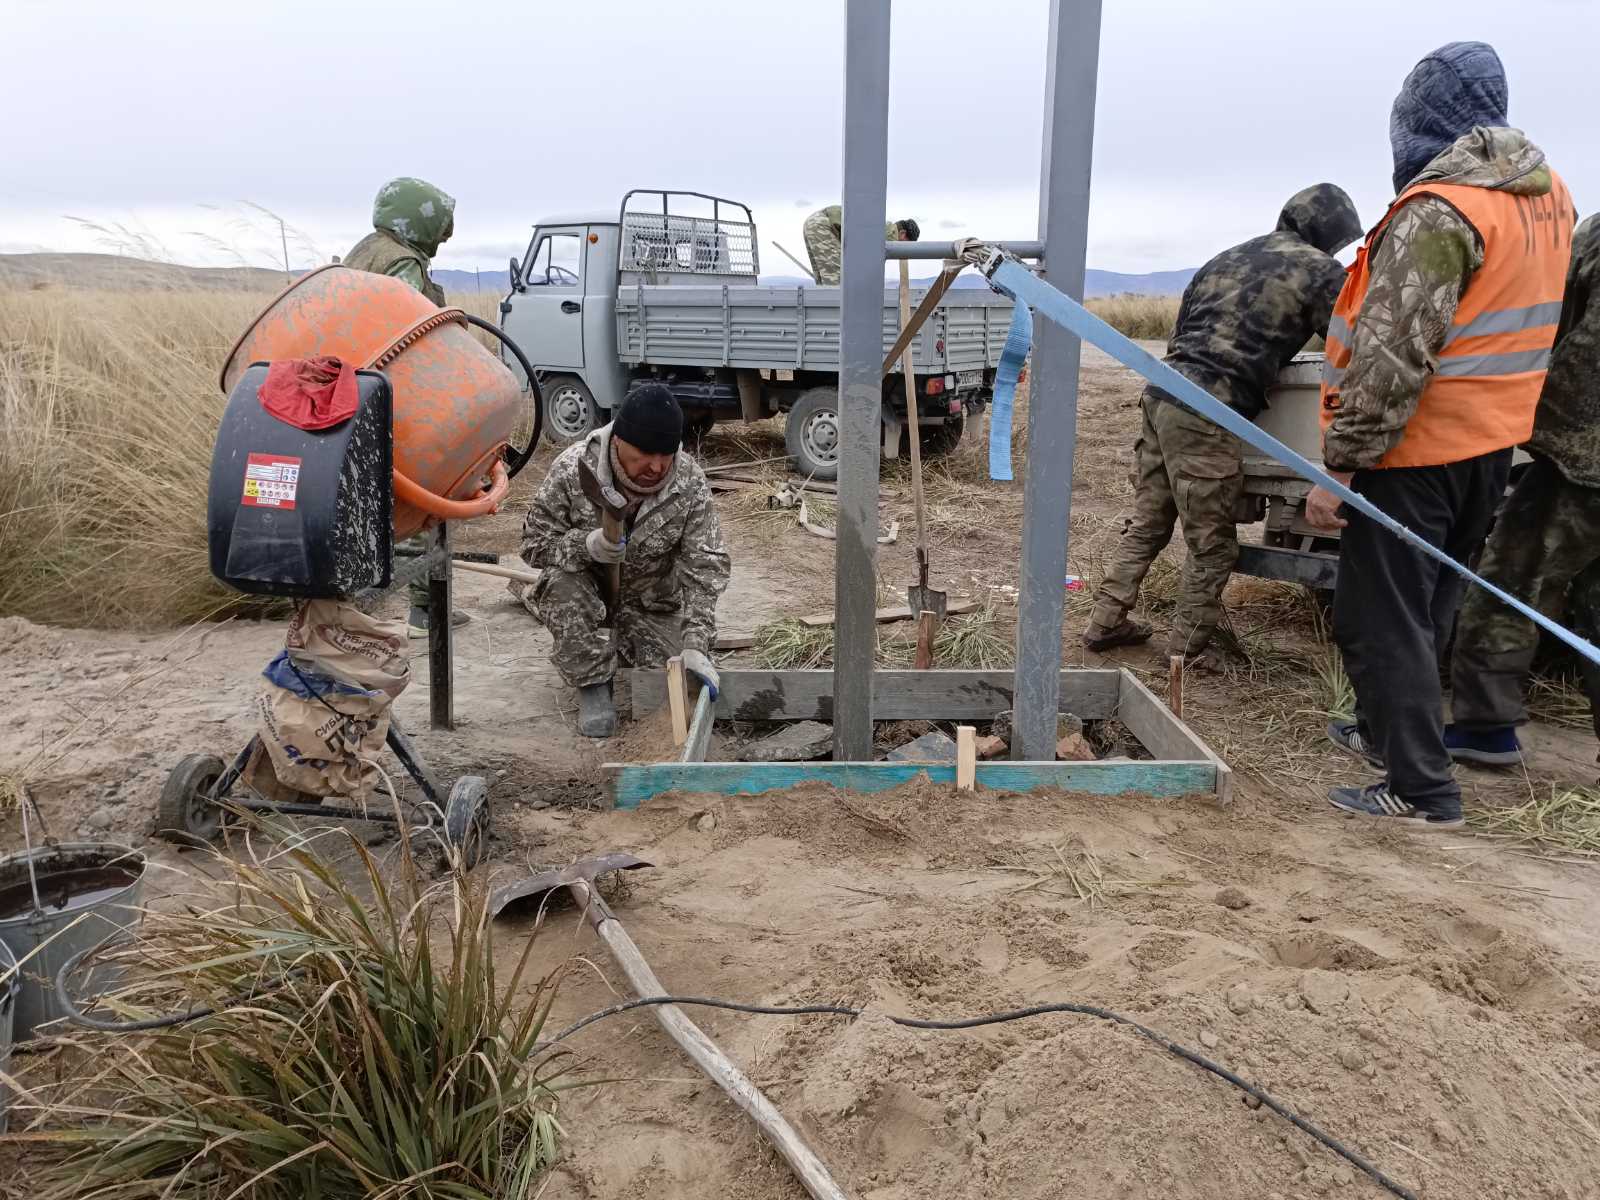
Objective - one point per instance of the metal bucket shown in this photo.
(9, 985)
(90, 892)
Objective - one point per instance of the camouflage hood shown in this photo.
(416, 212)
(1502, 159)
(1459, 86)
(1322, 215)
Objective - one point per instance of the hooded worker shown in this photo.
(411, 219)
(1437, 353)
(1244, 315)
(673, 561)
(824, 235)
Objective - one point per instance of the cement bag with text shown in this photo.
(338, 639)
(321, 733)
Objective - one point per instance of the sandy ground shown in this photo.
(1429, 1000)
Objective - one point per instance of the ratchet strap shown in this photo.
(1027, 290)
(1018, 339)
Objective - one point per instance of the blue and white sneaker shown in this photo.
(1347, 735)
(1377, 800)
(1484, 747)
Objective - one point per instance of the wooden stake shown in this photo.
(678, 700)
(927, 630)
(966, 754)
(808, 1168)
(1175, 684)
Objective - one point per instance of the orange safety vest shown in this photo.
(1485, 387)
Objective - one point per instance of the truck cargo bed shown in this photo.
(797, 328)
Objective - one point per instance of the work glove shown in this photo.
(602, 549)
(698, 664)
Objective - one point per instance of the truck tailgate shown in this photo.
(796, 328)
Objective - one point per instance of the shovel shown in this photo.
(582, 872)
(929, 604)
(613, 509)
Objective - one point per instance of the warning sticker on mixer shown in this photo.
(271, 480)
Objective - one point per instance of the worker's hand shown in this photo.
(698, 664)
(1322, 506)
(602, 549)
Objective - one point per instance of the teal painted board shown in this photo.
(632, 784)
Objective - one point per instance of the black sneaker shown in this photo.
(1347, 735)
(1483, 747)
(1377, 800)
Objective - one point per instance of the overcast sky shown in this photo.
(170, 118)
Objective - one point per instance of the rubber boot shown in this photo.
(597, 715)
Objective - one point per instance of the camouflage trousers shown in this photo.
(823, 249)
(572, 607)
(1545, 550)
(1185, 469)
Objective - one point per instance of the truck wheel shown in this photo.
(570, 413)
(811, 434)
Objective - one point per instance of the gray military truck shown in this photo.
(667, 288)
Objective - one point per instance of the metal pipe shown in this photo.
(944, 250)
(1071, 67)
(866, 153)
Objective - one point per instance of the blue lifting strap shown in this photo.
(1018, 339)
(1016, 281)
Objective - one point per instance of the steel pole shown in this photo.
(866, 142)
(1073, 50)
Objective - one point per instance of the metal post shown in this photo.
(866, 141)
(1073, 52)
(441, 637)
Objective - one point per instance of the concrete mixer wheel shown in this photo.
(570, 412)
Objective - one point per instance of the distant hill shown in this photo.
(133, 274)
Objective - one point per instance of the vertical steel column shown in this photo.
(866, 142)
(1074, 51)
(441, 637)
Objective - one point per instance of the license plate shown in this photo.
(969, 379)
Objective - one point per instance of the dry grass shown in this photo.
(1567, 819)
(978, 641)
(1146, 317)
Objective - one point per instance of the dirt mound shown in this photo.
(1444, 1037)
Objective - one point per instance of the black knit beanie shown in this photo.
(649, 419)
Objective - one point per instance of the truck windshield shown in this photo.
(555, 262)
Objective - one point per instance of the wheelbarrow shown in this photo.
(200, 790)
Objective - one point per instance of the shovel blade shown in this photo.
(922, 599)
(584, 870)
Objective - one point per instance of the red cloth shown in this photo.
(310, 393)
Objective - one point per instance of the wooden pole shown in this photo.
(1175, 684)
(966, 757)
(803, 1161)
(678, 700)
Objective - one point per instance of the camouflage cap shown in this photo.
(1322, 214)
(415, 212)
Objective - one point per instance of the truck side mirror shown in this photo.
(516, 274)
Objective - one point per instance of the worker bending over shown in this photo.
(411, 219)
(824, 234)
(1244, 315)
(1546, 537)
(674, 564)
(1436, 356)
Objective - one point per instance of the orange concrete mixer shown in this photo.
(456, 406)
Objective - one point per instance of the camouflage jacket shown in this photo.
(834, 216)
(1249, 310)
(410, 219)
(1566, 429)
(676, 560)
(1419, 268)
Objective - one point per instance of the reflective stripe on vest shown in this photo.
(1490, 368)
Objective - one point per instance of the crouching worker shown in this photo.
(673, 562)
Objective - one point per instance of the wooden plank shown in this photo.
(699, 739)
(966, 757)
(1163, 734)
(895, 612)
(896, 695)
(741, 1089)
(678, 700)
(632, 784)
(735, 641)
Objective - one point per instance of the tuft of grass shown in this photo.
(1557, 700)
(366, 1043)
(975, 641)
(792, 645)
(1566, 819)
